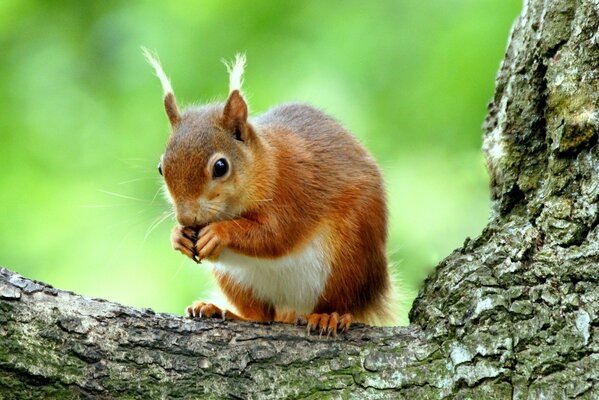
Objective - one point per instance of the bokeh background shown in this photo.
(82, 124)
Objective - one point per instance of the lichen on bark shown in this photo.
(529, 282)
(513, 313)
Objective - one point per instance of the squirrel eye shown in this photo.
(220, 168)
(160, 168)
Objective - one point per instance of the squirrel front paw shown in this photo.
(183, 239)
(210, 242)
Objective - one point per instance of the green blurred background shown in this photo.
(82, 124)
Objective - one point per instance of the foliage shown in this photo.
(82, 124)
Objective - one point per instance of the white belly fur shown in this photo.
(293, 282)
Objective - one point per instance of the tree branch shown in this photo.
(64, 345)
(513, 313)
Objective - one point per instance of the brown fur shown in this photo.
(294, 171)
(172, 112)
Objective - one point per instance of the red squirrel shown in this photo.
(288, 206)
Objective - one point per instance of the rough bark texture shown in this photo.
(514, 313)
(56, 344)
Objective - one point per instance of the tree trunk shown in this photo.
(514, 313)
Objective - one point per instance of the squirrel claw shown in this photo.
(209, 243)
(331, 324)
(201, 309)
(182, 240)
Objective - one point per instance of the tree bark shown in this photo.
(513, 313)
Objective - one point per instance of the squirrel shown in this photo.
(288, 206)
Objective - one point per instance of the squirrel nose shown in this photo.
(186, 221)
(185, 216)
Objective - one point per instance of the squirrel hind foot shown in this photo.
(326, 324)
(201, 309)
(204, 310)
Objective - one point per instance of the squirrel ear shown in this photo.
(235, 115)
(172, 112)
(236, 110)
(170, 104)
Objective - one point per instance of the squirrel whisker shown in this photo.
(123, 196)
(160, 219)
(138, 179)
(221, 211)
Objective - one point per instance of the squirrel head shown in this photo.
(209, 154)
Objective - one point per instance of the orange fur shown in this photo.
(244, 301)
(294, 174)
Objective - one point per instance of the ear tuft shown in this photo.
(170, 104)
(235, 70)
(152, 59)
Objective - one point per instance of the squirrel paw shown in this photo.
(183, 239)
(210, 243)
(328, 323)
(201, 309)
